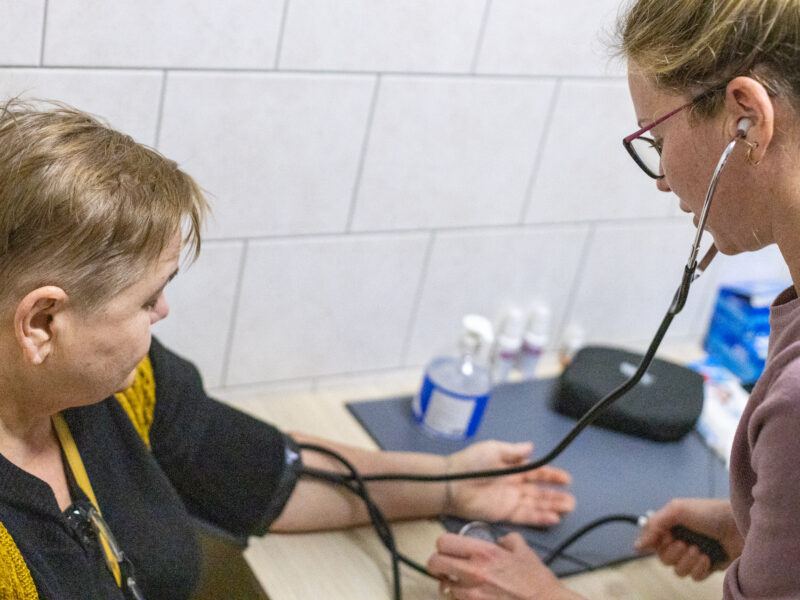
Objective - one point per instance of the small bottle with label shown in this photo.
(534, 340)
(455, 390)
(508, 345)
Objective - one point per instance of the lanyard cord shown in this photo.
(111, 552)
(79, 472)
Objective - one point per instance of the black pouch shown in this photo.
(664, 406)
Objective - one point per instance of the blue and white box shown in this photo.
(739, 330)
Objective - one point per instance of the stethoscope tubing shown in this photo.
(690, 274)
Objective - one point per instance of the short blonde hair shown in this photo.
(84, 207)
(696, 47)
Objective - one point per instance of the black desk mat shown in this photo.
(612, 473)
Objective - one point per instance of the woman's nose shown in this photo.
(663, 185)
(161, 310)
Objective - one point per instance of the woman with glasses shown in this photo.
(108, 442)
(708, 78)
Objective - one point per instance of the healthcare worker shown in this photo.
(703, 74)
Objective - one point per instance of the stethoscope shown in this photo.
(356, 483)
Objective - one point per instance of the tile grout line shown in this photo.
(314, 380)
(161, 101)
(414, 315)
(237, 295)
(281, 31)
(351, 213)
(331, 73)
(576, 283)
(481, 35)
(541, 147)
(44, 31)
(543, 226)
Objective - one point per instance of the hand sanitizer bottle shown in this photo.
(455, 390)
(508, 346)
(534, 341)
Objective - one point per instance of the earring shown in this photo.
(749, 156)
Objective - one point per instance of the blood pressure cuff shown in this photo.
(230, 469)
(664, 406)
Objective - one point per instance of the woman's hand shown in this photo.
(472, 569)
(710, 517)
(519, 498)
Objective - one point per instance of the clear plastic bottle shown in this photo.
(455, 390)
(508, 345)
(534, 340)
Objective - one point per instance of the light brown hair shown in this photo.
(84, 207)
(696, 47)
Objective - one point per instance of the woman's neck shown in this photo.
(24, 417)
(23, 434)
(787, 236)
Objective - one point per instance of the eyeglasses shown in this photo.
(645, 150)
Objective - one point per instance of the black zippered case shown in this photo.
(664, 406)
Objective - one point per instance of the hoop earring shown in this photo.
(749, 156)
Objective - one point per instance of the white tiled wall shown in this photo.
(378, 168)
(450, 152)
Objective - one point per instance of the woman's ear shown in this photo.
(746, 98)
(33, 322)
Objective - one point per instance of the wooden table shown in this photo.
(353, 565)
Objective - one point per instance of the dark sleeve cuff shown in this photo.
(292, 469)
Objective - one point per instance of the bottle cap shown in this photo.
(510, 337)
(538, 325)
(478, 326)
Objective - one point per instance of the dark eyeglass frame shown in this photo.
(628, 141)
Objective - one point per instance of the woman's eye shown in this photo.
(658, 144)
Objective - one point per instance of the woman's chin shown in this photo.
(127, 383)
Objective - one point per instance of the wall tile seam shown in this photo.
(577, 277)
(281, 31)
(540, 150)
(373, 105)
(319, 379)
(489, 228)
(316, 382)
(160, 117)
(231, 334)
(44, 33)
(589, 78)
(616, 222)
(422, 282)
(487, 7)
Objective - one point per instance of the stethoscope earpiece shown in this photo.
(743, 126)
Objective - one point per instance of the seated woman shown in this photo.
(108, 441)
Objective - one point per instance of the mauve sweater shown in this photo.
(765, 468)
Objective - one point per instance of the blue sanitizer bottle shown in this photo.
(455, 390)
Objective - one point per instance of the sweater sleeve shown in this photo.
(229, 468)
(768, 566)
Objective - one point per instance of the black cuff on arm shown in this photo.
(293, 467)
(228, 467)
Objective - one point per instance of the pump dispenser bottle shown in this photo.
(508, 345)
(534, 340)
(455, 389)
